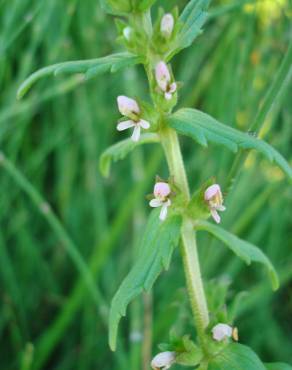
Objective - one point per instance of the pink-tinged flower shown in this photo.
(214, 198)
(166, 25)
(163, 360)
(221, 332)
(163, 79)
(161, 194)
(129, 107)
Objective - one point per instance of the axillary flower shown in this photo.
(163, 79)
(163, 360)
(221, 332)
(129, 108)
(161, 193)
(213, 196)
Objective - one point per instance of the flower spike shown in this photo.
(129, 108)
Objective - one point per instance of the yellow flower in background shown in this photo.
(269, 10)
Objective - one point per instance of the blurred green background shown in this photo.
(54, 137)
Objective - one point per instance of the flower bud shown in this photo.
(127, 33)
(162, 75)
(221, 332)
(163, 360)
(166, 25)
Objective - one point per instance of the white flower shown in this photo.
(163, 80)
(163, 360)
(127, 33)
(221, 332)
(129, 107)
(213, 196)
(161, 193)
(166, 25)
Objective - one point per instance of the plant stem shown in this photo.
(195, 287)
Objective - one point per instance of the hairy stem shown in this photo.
(196, 293)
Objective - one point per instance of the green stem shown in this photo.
(195, 287)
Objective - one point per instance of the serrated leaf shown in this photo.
(119, 151)
(90, 68)
(192, 19)
(236, 357)
(243, 249)
(278, 366)
(197, 124)
(157, 245)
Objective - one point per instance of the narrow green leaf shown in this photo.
(243, 249)
(199, 125)
(90, 68)
(119, 151)
(192, 19)
(157, 245)
(278, 366)
(236, 357)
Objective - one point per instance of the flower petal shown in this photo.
(163, 360)
(221, 208)
(168, 96)
(161, 189)
(211, 191)
(172, 87)
(215, 216)
(124, 125)
(136, 133)
(221, 331)
(144, 124)
(127, 105)
(155, 203)
(163, 212)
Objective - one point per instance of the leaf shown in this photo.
(119, 151)
(243, 249)
(236, 357)
(90, 68)
(192, 19)
(157, 245)
(278, 366)
(203, 128)
(115, 7)
(191, 354)
(143, 5)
